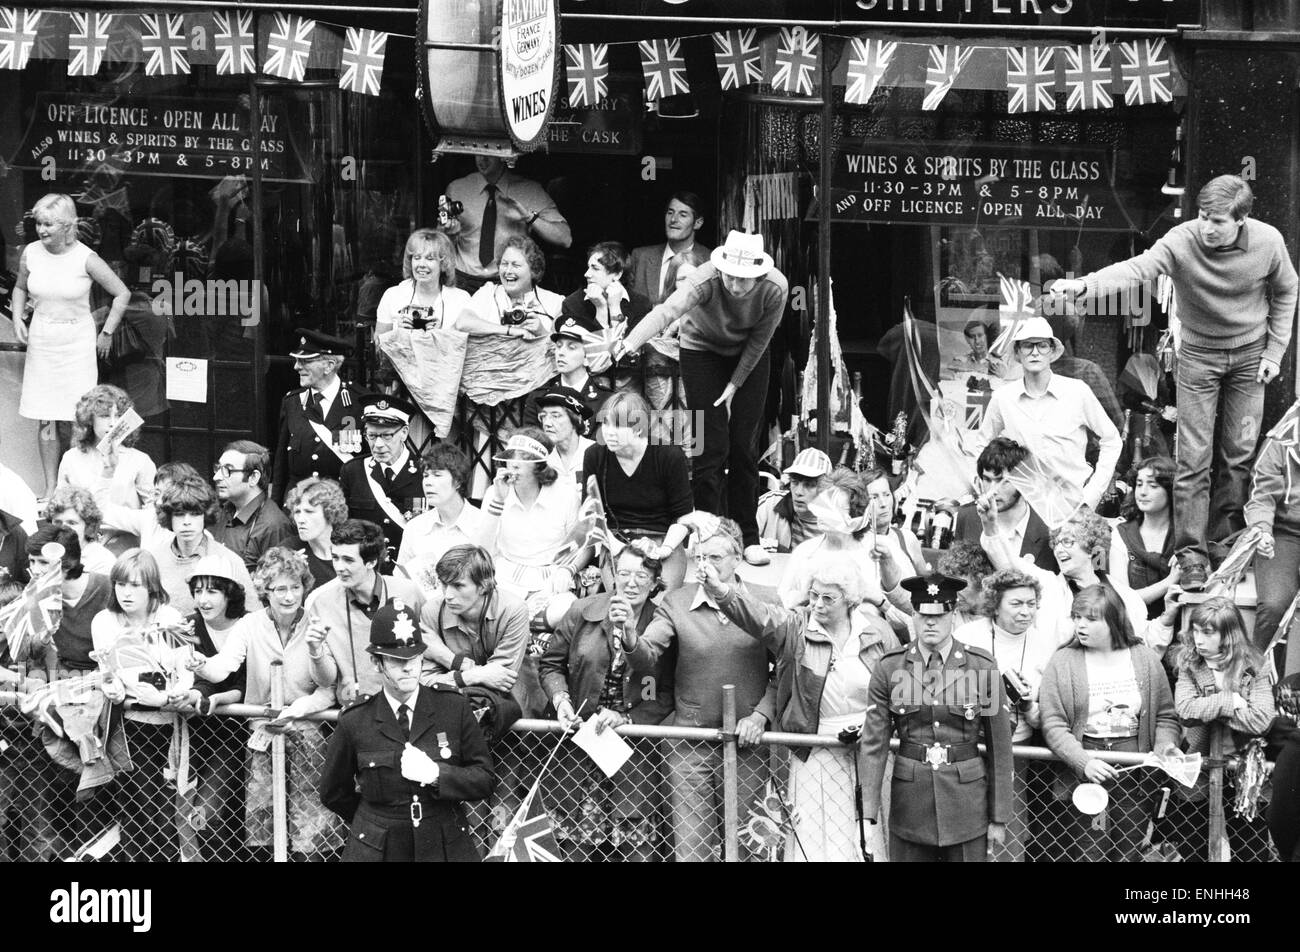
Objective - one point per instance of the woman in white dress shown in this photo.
(118, 476)
(56, 273)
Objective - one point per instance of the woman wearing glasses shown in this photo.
(586, 671)
(825, 654)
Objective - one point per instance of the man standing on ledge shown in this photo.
(949, 802)
(1236, 293)
(498, 204)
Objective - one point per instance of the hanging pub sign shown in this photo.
(160, 136)
(489, 73)
(921, 183)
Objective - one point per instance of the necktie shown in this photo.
(487, 233)
(670, 280)
(315, 407)
(388, 475)
(404, 721)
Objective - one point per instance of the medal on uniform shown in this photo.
(444, 746)
(969, 712)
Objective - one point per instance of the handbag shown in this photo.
(127, 344)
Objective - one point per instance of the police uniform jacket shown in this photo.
(407, 484)
(299, 452)
(593, 393)
(362, 778)
(950, 803)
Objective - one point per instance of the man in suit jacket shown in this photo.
(381, 487)
(652, 273)
(1022, 527)
(401, 763)
(313, 416)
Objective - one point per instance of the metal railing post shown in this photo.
(730, 780)
(1217, 832)
(279, 789)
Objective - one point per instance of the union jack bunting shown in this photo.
(29, 621)
(88, 42)
(797, 55)
(1031, 78)
(664, 68)
(162, 37)
(868, 61)
(363, 61)
(946, 62)
(1145, 72)
(17, 36)
(288, 47)
(235, 43)
(1087, 77)
(586, 68)
(739, 58)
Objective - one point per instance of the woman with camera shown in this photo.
(514, 306)
(1106, 691)
(586, 671)
(427, 297)
(825, 653)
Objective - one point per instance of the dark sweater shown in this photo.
(72, 638)
(652, 498)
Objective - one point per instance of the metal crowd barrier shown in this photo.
(687, 794)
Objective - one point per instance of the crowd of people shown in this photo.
(604, 576)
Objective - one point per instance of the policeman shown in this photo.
(942, 698)
(383, 486)
(313, 417)
(415, 753)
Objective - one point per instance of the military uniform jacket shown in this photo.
(407, 484)
(362, 778)
(299, 452)
(951, 803)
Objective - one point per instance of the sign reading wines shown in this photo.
(921, 183)
(530, 32)
(190, 138)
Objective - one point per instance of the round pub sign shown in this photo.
(530, 45)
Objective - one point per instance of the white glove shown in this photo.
(418, 767)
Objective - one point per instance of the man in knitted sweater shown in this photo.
(1235, 285)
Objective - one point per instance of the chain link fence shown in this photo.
(217, 789)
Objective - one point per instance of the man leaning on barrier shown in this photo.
(949, 801)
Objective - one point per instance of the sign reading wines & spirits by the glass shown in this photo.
(189, 138)
(929, 184)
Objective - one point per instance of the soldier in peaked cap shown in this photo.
(401, 763)
(313, 416)
(949, 802)
(383, 486)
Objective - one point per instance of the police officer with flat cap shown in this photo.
(949, 801)
(313, 417)
(382, 486)
(401, 763)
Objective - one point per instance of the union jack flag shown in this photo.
(162, 36)
(946, 62)
(1031, 79)
(234, 40)
(664, 68)
(868, 61)
(739, 58)
(586, 68)
(29, 621)
(288, 47)
(17, 36)
(88, 42)
(363, 61)
(1087, 77)
(797, 56)
(1145, 72)
(529, 838)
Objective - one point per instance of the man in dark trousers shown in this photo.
(415, 753)
(381, 487)
(313, 416)
(949, 802)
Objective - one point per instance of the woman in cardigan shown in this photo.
(586, 671)
(729, 309)
(1106, 691)
(1145, 556)
(1222, 680)
(825, 655)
